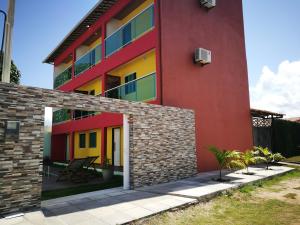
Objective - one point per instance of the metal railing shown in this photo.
(79, 114)
(63, 77)
(64, 115)
(88, 60)
(130, 31)
(141, 89)
(61, 115)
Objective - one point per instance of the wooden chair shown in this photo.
(71, 170)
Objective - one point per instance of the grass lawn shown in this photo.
(293, 159)
(116, 181)
(271, 202)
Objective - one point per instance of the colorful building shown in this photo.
(143, 50)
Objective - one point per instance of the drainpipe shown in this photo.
(8, 42)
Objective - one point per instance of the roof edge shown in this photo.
(46, 60)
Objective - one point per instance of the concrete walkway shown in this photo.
(116, 206)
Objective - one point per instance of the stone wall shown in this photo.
(161, 141)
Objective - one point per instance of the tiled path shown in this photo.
(116, 206)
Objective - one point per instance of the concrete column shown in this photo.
(8, 42)
(126, 176)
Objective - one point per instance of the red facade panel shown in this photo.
(99, 121)
(218, 92)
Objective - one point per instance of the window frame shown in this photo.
(80, 144)
(90, 133)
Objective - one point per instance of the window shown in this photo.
(81, 140)
(127, 34)
(131, 87)
(93, 140)
(92, 92)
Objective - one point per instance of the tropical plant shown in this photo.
(226, 159)
(250, 157)
(268, 155)
(15, 74)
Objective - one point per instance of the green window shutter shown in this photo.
(93, 140)
(81, 140)
(143, 22)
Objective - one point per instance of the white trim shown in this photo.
(126, 165)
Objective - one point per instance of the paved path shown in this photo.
(117, 206)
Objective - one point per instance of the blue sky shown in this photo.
(271, 29)
(39, 26)
(272, 34)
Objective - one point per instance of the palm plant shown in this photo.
(248, 158)
(268, 155)
(226, 159)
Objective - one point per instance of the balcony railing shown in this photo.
(141, 89)
(79, 114)
(63, 77)
(61, 116)
(88, 60)
(130, 31)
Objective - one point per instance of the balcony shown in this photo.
(141, 89)
(130, 31)
(61, 116)
(88, 60)
(63, 77)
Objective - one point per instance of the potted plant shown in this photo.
(226, 159)
(248, 158)
(107, 169)
(268, 155)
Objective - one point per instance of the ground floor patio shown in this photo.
(118, 206)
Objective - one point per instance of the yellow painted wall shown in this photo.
(137, 11)
(92, 85)
(85, 152)
(95, 43)
(142, 66)
(109, 144)
(115, 24)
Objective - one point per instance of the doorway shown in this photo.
(116, 144)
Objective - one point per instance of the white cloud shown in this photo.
(278, 91)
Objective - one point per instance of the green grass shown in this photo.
(116, 181)
(290, 195)
(235, 210)
(240, 207)
(292, 159)
(269, 183)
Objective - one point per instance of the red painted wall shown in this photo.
(58, 147)
(217, 92)
(99, 121)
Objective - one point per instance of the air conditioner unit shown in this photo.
(208, 3)
(202, 56)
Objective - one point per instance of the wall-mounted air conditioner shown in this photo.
(208, 3)
(202, 56)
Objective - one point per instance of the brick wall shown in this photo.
(161, 141)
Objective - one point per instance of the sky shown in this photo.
(272, 44)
